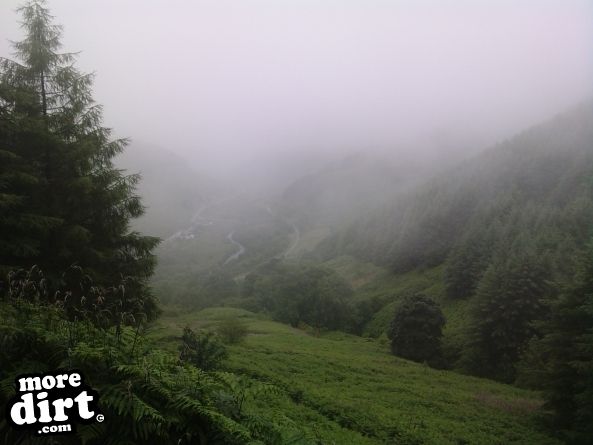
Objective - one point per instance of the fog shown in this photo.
(238, 86)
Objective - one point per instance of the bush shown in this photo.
(204, 350)
(232, 330)
(416, 330)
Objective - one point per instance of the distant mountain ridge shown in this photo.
(343, 190)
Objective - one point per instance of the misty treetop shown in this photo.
(63, 200)
(537, 183)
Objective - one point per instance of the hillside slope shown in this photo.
(530, 198)
(539, 181)
(345, 389)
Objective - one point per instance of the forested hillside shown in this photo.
(502, 244)
(534, 189)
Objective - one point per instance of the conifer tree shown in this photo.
(509, 298)
(62, 200)
(566, 350)
(464, 268)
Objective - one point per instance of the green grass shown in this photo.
(343, 389)
(370, 281)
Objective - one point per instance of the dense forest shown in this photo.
(409, 284)
(539, 179)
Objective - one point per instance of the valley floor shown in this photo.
(343, 389)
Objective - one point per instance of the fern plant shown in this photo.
(147, 395)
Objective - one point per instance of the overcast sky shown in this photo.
(237, 79)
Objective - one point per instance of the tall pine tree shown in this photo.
(62, 201)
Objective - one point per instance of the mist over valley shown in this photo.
(298, 222)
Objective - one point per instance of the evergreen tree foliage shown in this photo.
(416, 330)
(456, 218)
(62, 199)
(469, 259)
(510, 297)
(566, 357)
(465, 267)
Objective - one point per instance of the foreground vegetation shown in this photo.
(177, 395)
(340, 388)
